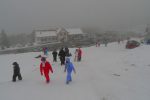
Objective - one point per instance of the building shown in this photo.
(76, 35)
(49, 36)
(59, 35)
(62, 35)
(45, 36)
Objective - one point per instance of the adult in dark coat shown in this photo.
(62, 56)
(16, 72)
(67, 52)
(54, 53)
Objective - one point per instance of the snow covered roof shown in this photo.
(45, 33)
(74, 31)
(54, 32)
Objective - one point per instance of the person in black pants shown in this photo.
(54, 53)
(16, 72)
(62, 56)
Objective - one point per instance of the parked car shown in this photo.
(132, 44)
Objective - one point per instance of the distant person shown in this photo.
(67, 52)
(16, 72)
(62, 56)
(45, 67)
(105, 42)
(45, 51)
(79, 54)
(69, 67)
(97, 44)
(76, 55)
(119, 41)
(54, 53)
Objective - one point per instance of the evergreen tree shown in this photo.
(4, 39)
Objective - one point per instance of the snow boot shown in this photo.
(67, 82)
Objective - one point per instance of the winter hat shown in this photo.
(43, 59)
(15, 63)
(67, 60)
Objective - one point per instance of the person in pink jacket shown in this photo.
(45, 67)
(79, 54)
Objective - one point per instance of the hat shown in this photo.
(15, 63)
(43, 59)
(68, 60)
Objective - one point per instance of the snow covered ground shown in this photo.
(105, 73)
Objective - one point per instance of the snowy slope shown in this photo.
(105, 73)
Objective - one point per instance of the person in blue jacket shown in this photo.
(69, 67)
(46, 51)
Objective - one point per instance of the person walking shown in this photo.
(76, 55)
(54, 53)
(79, 54)
(62, 56)
(16, 72)
(45, 67)
(69, 67)
(67, 54)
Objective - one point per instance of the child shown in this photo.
(69, 67)
(54, 53)
(16, 72)
(45, 67)
(45, 51)
(76, 55)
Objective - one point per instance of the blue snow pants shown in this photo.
(69, 78)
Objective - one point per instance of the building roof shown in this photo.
(54, 32)
(74, 31)
(45, 33)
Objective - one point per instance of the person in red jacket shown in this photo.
(45, 67)
(79, 54)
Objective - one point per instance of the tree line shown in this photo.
(7, 41)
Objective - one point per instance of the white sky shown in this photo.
(22, 16)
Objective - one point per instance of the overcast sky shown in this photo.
(22, 16)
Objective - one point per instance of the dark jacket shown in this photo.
(16, 68)
(61, 53)
(66, 52)
(54, 53)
